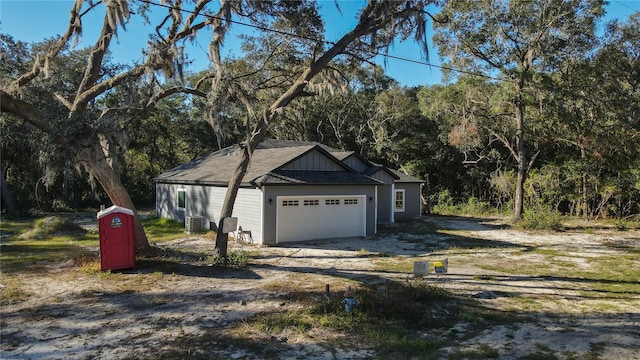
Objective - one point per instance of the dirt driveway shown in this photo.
(550, 280)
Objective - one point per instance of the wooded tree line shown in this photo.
(541, 110)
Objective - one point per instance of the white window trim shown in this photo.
(178, 199)
(395, 200)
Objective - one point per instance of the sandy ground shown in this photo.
(71, 313)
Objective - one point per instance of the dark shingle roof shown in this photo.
(267, 159)
(269, 156)
(341, 155)
(272, 143)
(405, 178)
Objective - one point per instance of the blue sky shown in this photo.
(36, 20)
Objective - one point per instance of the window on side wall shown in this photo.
(182, 199)
(399, 200)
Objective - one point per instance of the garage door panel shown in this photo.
(307, 218)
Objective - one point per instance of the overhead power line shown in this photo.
(375, 53)
(327, 42)
(625, 5)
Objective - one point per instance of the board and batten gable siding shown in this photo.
(355, 163)
(313, 160)
(412, 206)
(383, 176)
(206, 201)
(272, 192)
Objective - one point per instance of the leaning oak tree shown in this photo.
(512, 41)
(100, 130)
(102, 103)
(379, 23)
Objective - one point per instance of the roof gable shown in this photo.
(217, 168)
(383, 174)
(315, 159)
(355, 161)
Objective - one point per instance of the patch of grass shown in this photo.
(275, 323)
(527, 303)
(409, 226)
(159, 300)
(542, 353)
(394, 264)
(484, 277)
(605, 307)
(470, 317)
(11, 292)
(539, 356)
(391, 321)
(477, 351)
(37, 254)
(595, 351)
(398, 343)
(518, 267)
(10, 228)
(162, 230)
(234, 259)
(39, 243)
(626, 246)
(539, 250)
(611, 276)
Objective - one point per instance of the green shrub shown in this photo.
(542, 220)
(475, 207)
(623, 225)
(446, 206)
(238, 259)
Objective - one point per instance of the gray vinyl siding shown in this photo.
(206, 201)
(385, 198)
(271, 192)
(412, 206)
(247, 208)
(167, 201)
(356, 164)
(313, 160)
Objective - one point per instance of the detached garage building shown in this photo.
(294, 191)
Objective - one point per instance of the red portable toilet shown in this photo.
(117, 244)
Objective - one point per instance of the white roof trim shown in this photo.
(114, 209)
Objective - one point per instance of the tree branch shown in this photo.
(25, 111)
(42, 63)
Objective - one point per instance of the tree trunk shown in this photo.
(259, 133)
(104, 168)
(229, 200)
(585, 197)
(521, 157)
(7, 200)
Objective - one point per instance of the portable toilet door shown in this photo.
(117, 243)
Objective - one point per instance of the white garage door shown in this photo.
(319, 217)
